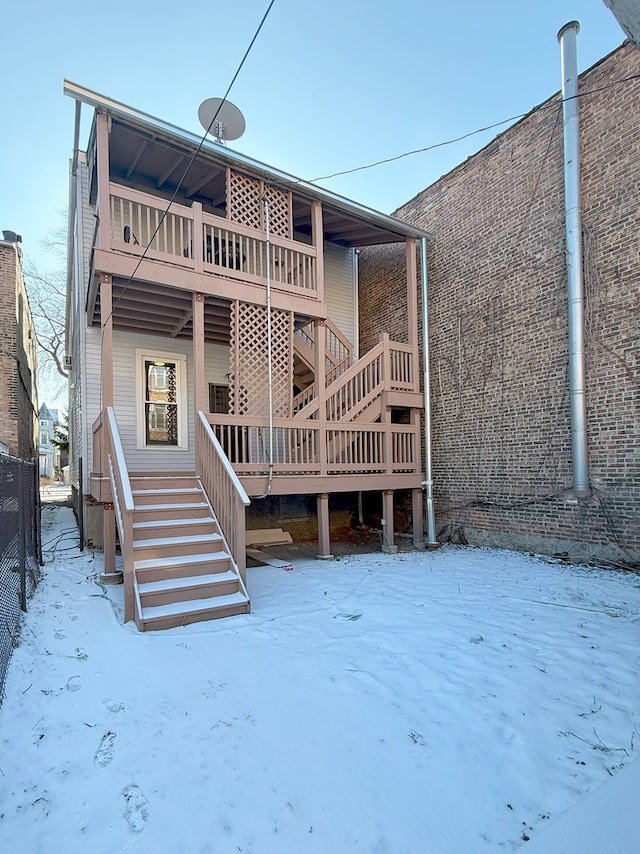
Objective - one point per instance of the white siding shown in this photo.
(125, 394)
(340, 289)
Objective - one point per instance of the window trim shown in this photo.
(180, 360)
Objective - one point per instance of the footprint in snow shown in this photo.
(113, 705)
(60, 634)
(105, 751)
(74, 683)
(136, 810)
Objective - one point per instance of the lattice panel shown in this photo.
(244, 203)
(246, 206)
(279, 211)
(249, 383)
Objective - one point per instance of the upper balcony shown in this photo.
(190, 238)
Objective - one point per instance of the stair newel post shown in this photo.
(108, 511)
(198, 353)
(385, 415)
(321, 391)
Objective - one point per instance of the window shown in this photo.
(162, 410)
(219, 398)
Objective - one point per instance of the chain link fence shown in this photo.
(20, 549)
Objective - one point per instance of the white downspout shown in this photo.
(428, 477)
(575, 288)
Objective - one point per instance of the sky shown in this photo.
(327, 86)
(461, 701)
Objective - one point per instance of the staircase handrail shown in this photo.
(123, 505)
(224, 491)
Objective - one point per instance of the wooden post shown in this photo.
(417, 516)
(103, 129)
(412, 310)
(388, 546)
(108, 512)
(109, 542)
(200, 392)
(324, 544)
(106, 323)
(319, 330)
(197, 237)
(317, 239)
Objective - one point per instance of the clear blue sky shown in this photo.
(328, 86)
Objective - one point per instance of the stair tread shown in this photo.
(179, 560)
(189, 581)
(176, 490)
(193, 605)
(195, 505)
(176, 541)
(167, 523)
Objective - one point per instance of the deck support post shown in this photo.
(417, 518)
(388, 546)
(106, 368)
(324, 544)
(109, 574)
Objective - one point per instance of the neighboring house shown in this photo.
(48, 451)
(498, 329)
(18, 356)
(214, 359)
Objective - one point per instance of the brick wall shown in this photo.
(498, 329)
(18, 421)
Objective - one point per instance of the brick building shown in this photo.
(498, 317)
(18, 356)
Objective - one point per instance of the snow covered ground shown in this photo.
(461, 701)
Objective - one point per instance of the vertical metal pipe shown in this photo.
(567, 38)
(428, 477)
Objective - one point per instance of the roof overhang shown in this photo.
(163, 151)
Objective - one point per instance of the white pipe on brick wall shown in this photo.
(573, 224)
(428, 476)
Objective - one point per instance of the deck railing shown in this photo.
(190, 238)
(225, 492)
(123, 506)
(295, 448)
(386, 367)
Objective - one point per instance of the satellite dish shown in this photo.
(222, 119)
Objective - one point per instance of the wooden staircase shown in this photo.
(183, 572)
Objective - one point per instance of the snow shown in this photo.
(459, 701)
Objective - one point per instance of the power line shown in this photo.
(469, 134)
(191, 160)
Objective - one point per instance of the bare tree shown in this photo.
(47, 299)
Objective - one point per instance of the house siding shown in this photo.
(498, 330)
(125, 393)
(340, 289)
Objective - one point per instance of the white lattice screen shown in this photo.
(245, 204)
(249, 382)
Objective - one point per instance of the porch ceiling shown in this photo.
(157, 161)
(153, 309)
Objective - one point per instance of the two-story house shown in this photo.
(47, 451)
(213, 332)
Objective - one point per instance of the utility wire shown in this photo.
(470, 133)
(191, 160)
